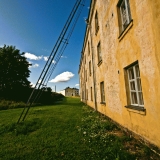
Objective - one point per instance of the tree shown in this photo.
(14, 71)
(49, 90)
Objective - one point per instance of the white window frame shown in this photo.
(140, 101)
(128, 14)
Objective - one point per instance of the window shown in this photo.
(90, 68)
(96, 23)
(88, 48)
(86, 75)
(124, 14)
(102, 92)
(99, 52)
(87, 94)
(135, 89)
(82, 94)
(91, 95)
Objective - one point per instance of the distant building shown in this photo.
(69, 92)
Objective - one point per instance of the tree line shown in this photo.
(14, 74)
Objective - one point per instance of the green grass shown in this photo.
(68, 130)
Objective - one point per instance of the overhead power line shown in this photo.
(54, 57)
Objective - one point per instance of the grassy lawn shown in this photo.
(68, 130)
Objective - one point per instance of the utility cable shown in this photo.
(49, 67)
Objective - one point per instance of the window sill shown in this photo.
(99, 63)
(123, 33)
(136, 109)
(104, 103)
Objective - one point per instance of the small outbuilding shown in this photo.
(69, 92)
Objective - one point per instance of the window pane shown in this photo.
(88, 49)
(102, 92)
(134, 98)
(131, 73)
(132, 85)
(90, 67)
(128, 10)
(96, 22)
(99, 52)
(86, 75)
(100, 57)
(135, 85)
(140, 98)
(99, 48)
(139, 84)
(123, 13)
(137, 71)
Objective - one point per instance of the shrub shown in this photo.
(7, 104)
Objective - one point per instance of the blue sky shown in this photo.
(33, 27)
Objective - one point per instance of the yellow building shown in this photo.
(120, 64)
(69, 92)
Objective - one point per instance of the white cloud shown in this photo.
(63, 77)
(54, 61)
(46, 50)
(32, 84)
(45, 58)
(34, 66)
(39, 81)
(30, 62)
(77, 85)
(32, 56)
(63, 56)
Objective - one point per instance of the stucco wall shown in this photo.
(141, 42)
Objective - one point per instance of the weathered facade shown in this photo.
(69, 92)
(120, 64)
